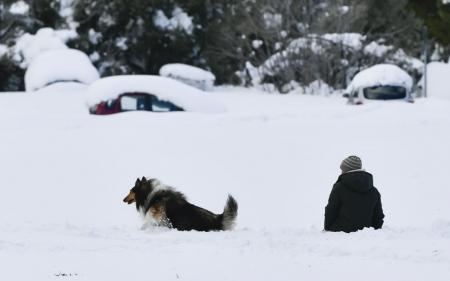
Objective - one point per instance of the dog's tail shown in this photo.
(229, 214)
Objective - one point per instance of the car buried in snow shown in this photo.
(124, 93)
(380, 82)
(190, 75)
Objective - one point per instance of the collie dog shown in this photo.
(164, 206)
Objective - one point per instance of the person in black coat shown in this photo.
(354, 202)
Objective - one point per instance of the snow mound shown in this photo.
(189, 98)
(29, 46)
(438, 80)
(58, 66)
(189, 74)
(381, 75)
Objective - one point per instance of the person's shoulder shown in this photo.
(376, 191)
(337, 185)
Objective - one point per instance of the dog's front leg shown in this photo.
(145, 225)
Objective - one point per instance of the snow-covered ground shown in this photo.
(64, 174)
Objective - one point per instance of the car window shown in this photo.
(163, 106)
(143, 101)
(385, 93)
(128, 103)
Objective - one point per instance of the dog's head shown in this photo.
(141, 189)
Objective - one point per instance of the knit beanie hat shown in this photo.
(351, 163)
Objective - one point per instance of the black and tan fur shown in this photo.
(168, 207)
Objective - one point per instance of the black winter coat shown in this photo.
(354, 203)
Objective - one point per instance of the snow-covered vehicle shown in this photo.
(59, 65)
(380, 82)
(188, 74)
(122, 93)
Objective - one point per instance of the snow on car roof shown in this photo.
(59, 65)
(185, 96)
(381, 75)
(185, 71)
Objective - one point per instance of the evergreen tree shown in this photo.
(436, 16)
(127, 38)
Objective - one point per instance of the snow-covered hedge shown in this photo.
(167, 89)
(190, 75)
(59, 65)
(334, 58)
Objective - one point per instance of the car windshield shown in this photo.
(385, 93)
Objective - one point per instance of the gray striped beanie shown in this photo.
(351, 163)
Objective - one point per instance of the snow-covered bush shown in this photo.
(333, 58)
(59, 65)
(29, 46)
(19, 17)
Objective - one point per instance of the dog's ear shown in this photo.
(138, 181)
(144, 179)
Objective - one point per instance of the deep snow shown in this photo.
(65, 172)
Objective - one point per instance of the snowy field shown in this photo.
(64, 174)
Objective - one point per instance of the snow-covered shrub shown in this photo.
(333, 58)
(29, 46)
(255, 33)
(17, 19)
(59, 65)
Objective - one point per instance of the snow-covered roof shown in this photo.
(59, 65)
(185, 71)
(185, 96)
(381, 75)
